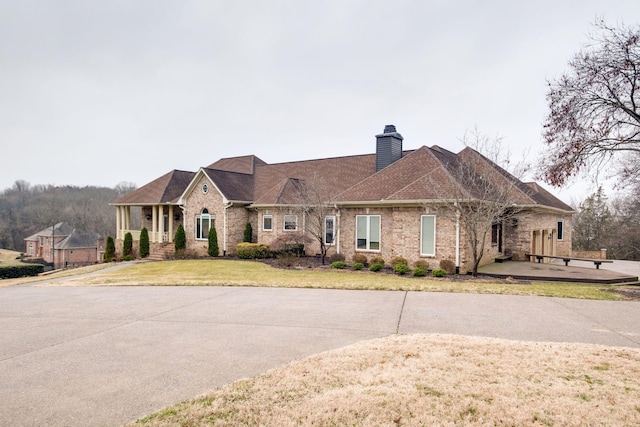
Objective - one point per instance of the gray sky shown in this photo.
(98, 92)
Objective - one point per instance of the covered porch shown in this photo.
(160, 220)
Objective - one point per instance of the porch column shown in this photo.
(127, 218)
(118, 225)
(154, 223)
(160, 223)
(170, 239)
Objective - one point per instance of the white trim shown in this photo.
(434, 235)
(284, 222)
(560, 236)
(324, 234)
(263, 218)
(368, 233)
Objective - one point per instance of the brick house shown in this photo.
(391, 203)
(63, 246)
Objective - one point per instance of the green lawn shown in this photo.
(249, 273)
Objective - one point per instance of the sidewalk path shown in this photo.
(103, 356)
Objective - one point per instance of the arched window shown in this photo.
(204, 222)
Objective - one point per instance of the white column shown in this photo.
(170, 223)
(160, 223)
(154, 223)
(118, 225)
(127, 218)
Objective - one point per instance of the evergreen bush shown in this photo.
(419, 272)
(109, 250)
(357, 266)
(127, 246)
(144, 242)
(338, 264)
(401, 268)
(439, 273)
(213, 249)
(376, 267)
(248, 233)
(180, 240)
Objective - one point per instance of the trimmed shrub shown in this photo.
(144, 242)
(15, 271)
(376, 260)
(127, 246)
(401, 269)
(336, 257)
(439, 273)
(213, 249)
(248, 233)
(376, 267)
(180, 241)
(448, 266)
(246, 250)
(338, 264)
(421, 264)
(360, 258)
(357, 266)
(109, 250)
(419, 272)
(397, 260)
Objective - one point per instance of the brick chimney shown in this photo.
(388, 147)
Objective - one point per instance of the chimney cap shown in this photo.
(390, 130)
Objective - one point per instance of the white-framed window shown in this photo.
(204, 222)
(290, 222)
(330, 230)
(368, 232)
(31, 249)
(428, 235)
(560, 229)
(267, 222)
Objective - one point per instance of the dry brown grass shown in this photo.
(248, 273)
(431, 380)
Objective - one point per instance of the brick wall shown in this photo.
(237, 217)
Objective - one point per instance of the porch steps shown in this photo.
(161, 252)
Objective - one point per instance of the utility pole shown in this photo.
(53, 250)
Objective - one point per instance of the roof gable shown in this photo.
(165, 189)
(242, 164)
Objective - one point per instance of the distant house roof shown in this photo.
(78, 239)
(60, 229)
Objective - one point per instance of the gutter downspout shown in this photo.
(224, 238)
(457, 241)
(337, 228)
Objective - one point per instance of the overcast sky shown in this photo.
(98, 92)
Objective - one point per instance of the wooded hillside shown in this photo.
(26, 209)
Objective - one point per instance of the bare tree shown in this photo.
(594, 109)
(486, 195)
(312, 197)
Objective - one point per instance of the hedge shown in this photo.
(252, 250)
(15, 271)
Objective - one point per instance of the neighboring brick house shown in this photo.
(390, 203)
(64, 246)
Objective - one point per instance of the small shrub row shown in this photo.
(338, 264)
(15, 271)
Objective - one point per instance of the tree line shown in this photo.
(26, 209)
(612, 224)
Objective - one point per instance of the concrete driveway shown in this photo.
(105, 356)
